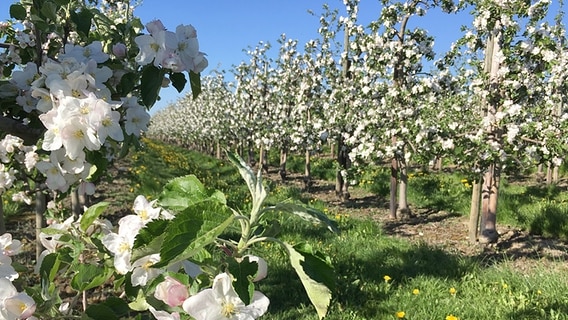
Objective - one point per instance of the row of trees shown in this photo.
(494, 102)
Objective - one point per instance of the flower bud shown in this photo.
(172, 292)
(119, 50)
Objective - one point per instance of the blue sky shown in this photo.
(227, 27)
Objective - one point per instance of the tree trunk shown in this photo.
(2, 218)
(75, 203)
(403, 211)
(489, 196)
(341, 185)
(308, 171)
(283, 162)
(474, 211)
(540, 173)
(555, 174)
(549, 173)
(40, 208)
(218, 149)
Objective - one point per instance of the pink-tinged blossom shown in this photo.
(155, 26)
(8, 246)
(221, 302)
(13, 304)
(119, 50)
(171, 292)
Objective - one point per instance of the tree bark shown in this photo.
(489, 195)
(474, 211)
(403, 211)
(75, 203)
(2, 218)
(308, 171)
(40, 208)
(283, 162)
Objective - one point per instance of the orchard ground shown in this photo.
(430, 233)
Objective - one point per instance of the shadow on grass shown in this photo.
(360, 275)
(555, 310)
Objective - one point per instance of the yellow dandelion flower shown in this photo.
(387, 278)
(415, 292)
(452, 317)
(400, 314)
(453, 291)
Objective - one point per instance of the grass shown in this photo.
(424, 282)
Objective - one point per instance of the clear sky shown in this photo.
(227, 27)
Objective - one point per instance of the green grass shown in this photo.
(421, 276)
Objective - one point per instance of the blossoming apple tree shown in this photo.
(514, 80)
(78, 81)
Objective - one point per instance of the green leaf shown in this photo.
(118, 307)
(92, 213)
(100, 311)
(195, 82)
(150, 239)
(316, 274)
(186, 236)
(17, 11)
(83, 21)
(243, 272)
(140, 304)
(49, 267)
(254, 183)
(49, 10)
(150, 85)
(308, 214)
(182, 192)
(178, 80)
(61, 3)
(127, 83)
(88, 276)
(151, 230)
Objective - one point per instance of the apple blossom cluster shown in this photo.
(221, 300)
(177, 51)
(13, 304)
(71, 96)
(13, 153)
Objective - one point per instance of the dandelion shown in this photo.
(400, 314)
(415, 292)
(387, 278)
(452, 317)
(453, 291)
